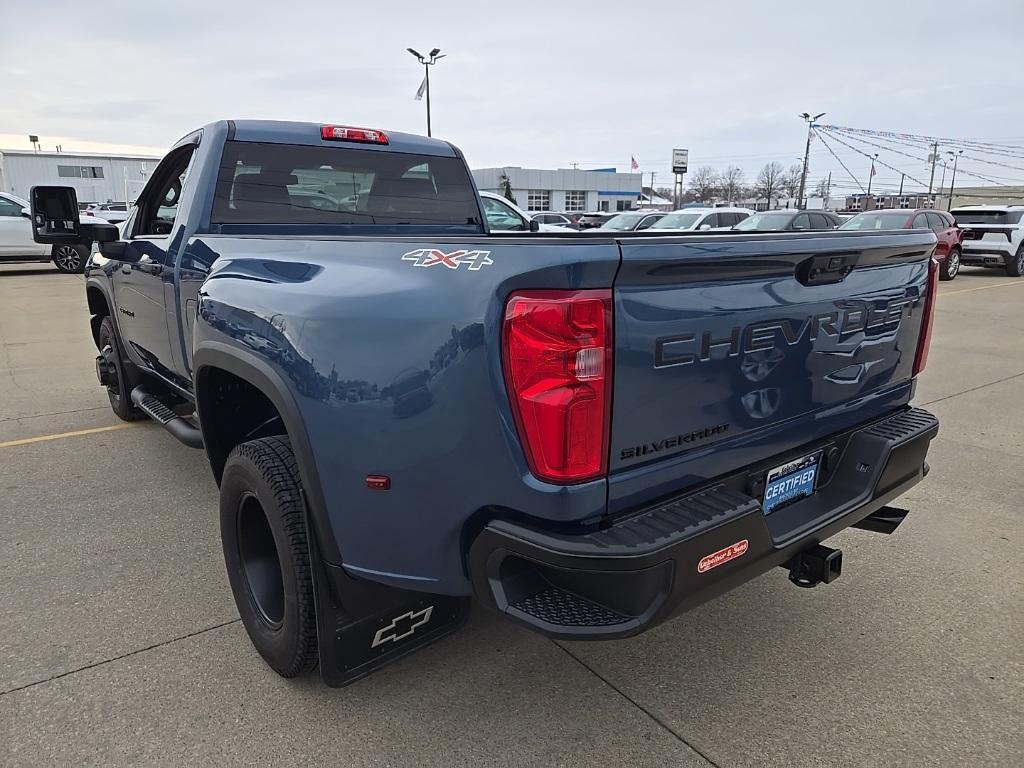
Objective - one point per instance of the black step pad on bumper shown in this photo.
(674, 555)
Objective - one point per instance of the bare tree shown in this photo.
(823, 190)
(705, 184)
(769, 182)
(732, 184)
(791, 180)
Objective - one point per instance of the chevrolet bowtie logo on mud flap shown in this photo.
(431, 257)
(402, 626)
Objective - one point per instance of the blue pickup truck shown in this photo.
(588, 433)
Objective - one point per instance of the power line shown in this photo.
(928, 139)
(829, 148)
(964, 157)
(891, 168)
(896, 151)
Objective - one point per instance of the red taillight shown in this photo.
(924, 341)
(345, 133)
(557, 348)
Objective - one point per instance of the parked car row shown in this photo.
(981, 235)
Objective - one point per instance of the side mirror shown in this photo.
(108, 237)
(26, 212)
(54, 213)
(105, 233)
(702, 227)
(534, 225)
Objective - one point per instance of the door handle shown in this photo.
(830, 268)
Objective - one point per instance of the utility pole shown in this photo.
(902, 177)
(952, 183)
(828, 190)
(935, 156)
(807, 153)
(650, 199)
(427, 62)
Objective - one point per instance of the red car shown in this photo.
(948, 249)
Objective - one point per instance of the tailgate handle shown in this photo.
(830, 268)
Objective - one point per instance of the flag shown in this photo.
(873, 172)
(633, 164)
(421, 90)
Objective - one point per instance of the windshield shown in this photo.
(987, 217)
(677, 221)
(765, 222)
(877, 221)
(624, 221)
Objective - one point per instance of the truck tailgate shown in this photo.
(754, 346)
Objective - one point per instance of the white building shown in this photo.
(564, 189)
(96, 178)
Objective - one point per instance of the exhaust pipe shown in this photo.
(885, 520)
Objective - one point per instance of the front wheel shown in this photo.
(119, 375)
(69, 259)
(951, 266)
(263, 530)
(1015, 265)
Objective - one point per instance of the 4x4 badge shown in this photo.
(402, 626)
(431, 257)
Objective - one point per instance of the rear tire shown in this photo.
(951, 266)
(263, 530)
(1015, 265)
(69, 259)
(126, 375)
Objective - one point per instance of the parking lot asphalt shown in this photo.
(121, 643)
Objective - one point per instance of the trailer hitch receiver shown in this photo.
(818, 565)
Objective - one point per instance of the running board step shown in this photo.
(165, 416)
(562, 608)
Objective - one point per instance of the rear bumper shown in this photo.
(665, 559)
(986, 252)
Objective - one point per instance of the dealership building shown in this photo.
(565, 189)
(96, 178)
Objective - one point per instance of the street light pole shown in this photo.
(427, 61)
(952, 182)
(807, 153)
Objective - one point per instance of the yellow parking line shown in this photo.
(62, 435)
(982, 288)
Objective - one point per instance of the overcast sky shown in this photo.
(528, 84)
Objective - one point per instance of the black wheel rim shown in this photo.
(113, 370)
(260, 561)
(68, 258)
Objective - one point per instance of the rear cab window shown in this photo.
(288, 184)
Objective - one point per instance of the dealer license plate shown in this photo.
(790, 482)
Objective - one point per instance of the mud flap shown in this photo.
(362, 626)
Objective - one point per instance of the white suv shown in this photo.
(993, 236)
(686, 219)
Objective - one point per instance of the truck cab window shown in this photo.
(159, 202)
(500, 216)
(7, 208)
